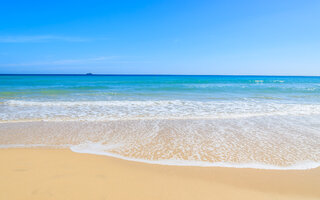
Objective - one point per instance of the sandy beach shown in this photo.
(160, 100)
(63, 174)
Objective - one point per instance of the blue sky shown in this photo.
(270, 37)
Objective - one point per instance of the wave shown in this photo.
(15, 110)
(264, 142)
(96, 150)
(90, 103)
(278, 81)
(297, 166)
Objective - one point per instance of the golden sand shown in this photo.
(62, 174)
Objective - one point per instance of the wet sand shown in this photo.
(62, 174)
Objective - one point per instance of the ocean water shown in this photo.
(268, 122)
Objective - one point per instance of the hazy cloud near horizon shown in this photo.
(64, 62)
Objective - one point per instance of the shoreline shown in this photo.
(185, 163)
(169, 143)
(177, 163)
(62, 174)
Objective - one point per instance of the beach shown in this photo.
(159, 137)
(62, 174)
(160, 100)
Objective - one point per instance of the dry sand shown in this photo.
(62, 174)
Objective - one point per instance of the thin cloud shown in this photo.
(82, 61)
(101, 59)
(41, 38)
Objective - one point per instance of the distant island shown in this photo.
(89, 74)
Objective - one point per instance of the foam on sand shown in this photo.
(277, 142)
(98, 149)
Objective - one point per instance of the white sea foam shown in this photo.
(278, 81)
(242, 134)
(259, 81)
(272, 142)
(169, 109)
(99, 149)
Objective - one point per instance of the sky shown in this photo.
(230, 37)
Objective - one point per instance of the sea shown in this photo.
(265, 122)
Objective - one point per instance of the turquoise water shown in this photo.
(238, 121)
(203, 88)
(113, 97)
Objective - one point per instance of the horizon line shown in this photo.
(92, 74)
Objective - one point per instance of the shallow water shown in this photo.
(234, 121)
